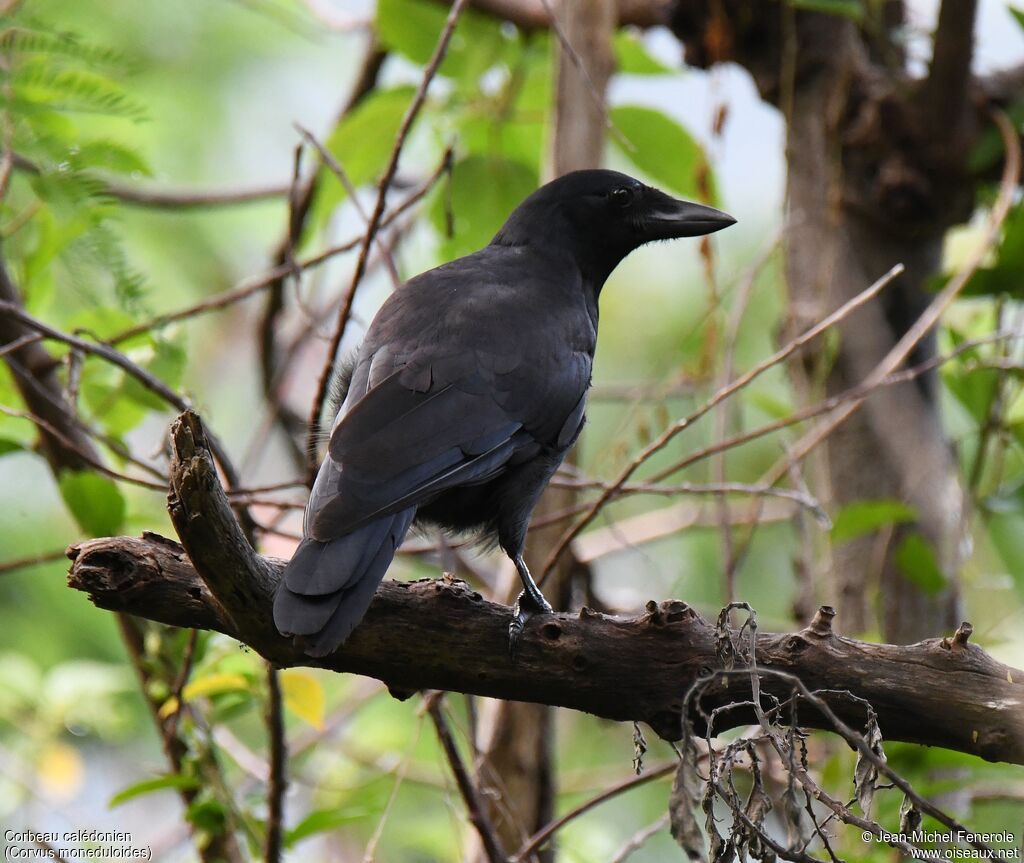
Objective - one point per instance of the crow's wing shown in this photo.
(414, 425)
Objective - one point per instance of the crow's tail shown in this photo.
(327, 586)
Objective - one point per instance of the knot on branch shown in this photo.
(960, 637)
(453, 589)
(821, 625)
(668, 611)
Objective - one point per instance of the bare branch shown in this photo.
(933, 313)
(277, 780)
(586, 662)
(470, 795)
(724, 393)
(173, 199)
(412, 112)
(549, 830)
(114, 357)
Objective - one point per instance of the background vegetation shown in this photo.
(103, 100)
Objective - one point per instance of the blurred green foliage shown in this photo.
(200, 92)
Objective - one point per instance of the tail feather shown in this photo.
(328, 586)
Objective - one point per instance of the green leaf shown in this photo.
(663, 150)
(95, 502)
(17, 431)
(631, 56)
(866, 516)
(512, 125)
(322, 821)
(483, 191)
(1006, 530)
(771, 404)
(1018, 14)
(8, 446)
(989, 150)
(973, 388)
(206, 813)
(175, 781)
(853, 9)
(361, 142)
(409, 27)
(166, 361)
(412, 28)
(102, 323)
(1007, 275)
(103, 393)
(39, 84)
(59, 47)
(916, 559)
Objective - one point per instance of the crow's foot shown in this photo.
(527, 605)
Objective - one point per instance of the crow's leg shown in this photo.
(530, 602)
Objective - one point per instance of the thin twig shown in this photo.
(370, 853)
(743, 380)
(254, 284)
(721, 416)
(183, 199)
(548, 830)
(32, 560)
(639, 839)
(148, 380)
(802, 498)
(82, 453)
(865, 751)
(278, 780)
(171, 199)
(19, 343)
(470, 795)
(371, 229)
(170, 729)
(300, 206)
(336, 168)
(931, 315)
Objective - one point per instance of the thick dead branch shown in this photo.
(624, 669)
(636, 668)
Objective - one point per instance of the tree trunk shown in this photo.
(894, 447)
(876, 175)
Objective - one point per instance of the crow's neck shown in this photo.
(561, 241)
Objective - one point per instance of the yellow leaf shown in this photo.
(304, 696)
(60, 771)
(168, 707)
(214, 684)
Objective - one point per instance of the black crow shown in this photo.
(466, 394)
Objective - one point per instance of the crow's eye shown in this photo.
(621, 197)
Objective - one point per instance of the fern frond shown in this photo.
(21, 41)
(36, 83)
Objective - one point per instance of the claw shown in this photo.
(527, 605)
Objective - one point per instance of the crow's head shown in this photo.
(601, 216)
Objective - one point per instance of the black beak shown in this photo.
(668, 218)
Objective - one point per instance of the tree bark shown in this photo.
(877, 173)
(944, 692)
(941, 692)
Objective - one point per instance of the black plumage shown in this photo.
(467, 392)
